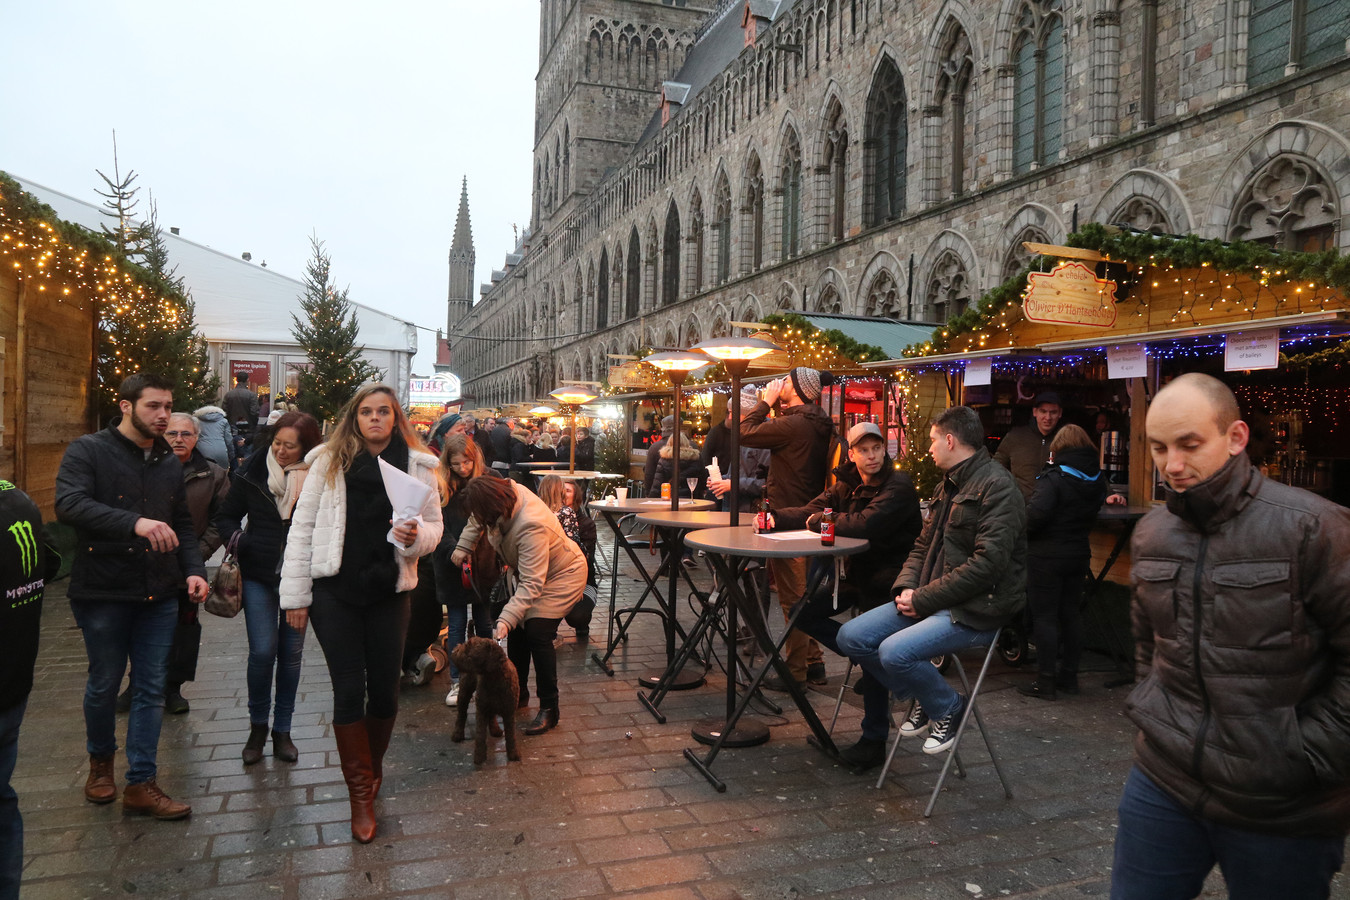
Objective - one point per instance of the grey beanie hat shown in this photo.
(808, 382)
(668, 425)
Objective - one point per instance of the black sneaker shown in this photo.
(175, 703)
(868, 753)
(942, 732)
(916, 723)
(815, 673)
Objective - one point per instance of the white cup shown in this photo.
(621, 493)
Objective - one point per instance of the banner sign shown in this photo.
(979, 371)
(259, 371)
(1130, 361)
(1070, 295)
(1252, 350)
(431, 391)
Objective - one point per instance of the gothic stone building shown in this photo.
(697, 166)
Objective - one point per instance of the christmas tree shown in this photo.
(120, 202)
(336, 366)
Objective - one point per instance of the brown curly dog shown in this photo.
(487, 676)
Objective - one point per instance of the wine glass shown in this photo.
(693, 483)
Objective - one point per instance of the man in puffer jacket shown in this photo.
(1241, 614)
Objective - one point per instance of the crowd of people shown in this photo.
(1239, 583)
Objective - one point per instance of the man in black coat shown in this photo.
(122, 490)
(26, 564)
(870, 500)
(241, 406)
(501, 445)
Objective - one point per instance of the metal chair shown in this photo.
(972, 709)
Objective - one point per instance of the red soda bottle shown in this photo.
(827, 528)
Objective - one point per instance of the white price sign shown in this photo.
(1252, 350)
(979, 371)
(1130, 361)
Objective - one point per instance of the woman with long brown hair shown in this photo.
(462, 589)
(550, 574)
(352, 573)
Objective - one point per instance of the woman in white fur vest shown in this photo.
(348, 570)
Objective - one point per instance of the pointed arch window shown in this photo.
(1287, 36)
(602, 292)
(792, 197)
(887, 138)
(952, 97)
(722, 227)
(836, 165)
(949, 289)
(1289, 204)
(633, 277)
(1038, 85)
(754, 209)
(696, 243)
(670, 258)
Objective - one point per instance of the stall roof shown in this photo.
(888, 334)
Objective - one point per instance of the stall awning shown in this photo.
(888, 334)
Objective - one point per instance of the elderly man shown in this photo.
(122, 491)
(1241, 607)
(965, 577)
(1026, 449)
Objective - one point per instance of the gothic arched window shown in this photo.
(1038, 85)
(952, 96)
(754, 210)
(1289, 204)
(602, 292)
(792, 197)
(1287, 36)
(670, 258)
(887, 136)
(836, 165)
(696, 247)
(633, 277)
(883, 297)
(722, 226)
(949, 289)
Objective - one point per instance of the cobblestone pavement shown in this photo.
(605, 805)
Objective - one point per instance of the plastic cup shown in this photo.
(621, 493)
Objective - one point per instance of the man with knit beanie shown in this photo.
(798, 441)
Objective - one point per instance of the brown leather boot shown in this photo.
(100, 787)
(253, 747)
(146, 799)
(283, 748)
(380, 730)
(353, 744)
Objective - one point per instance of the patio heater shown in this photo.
(677, 364)
(571, 397)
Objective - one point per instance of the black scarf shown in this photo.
(369, 571)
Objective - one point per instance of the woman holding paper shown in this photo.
(550, 575)
(352, 573)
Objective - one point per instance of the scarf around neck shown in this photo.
(285, 484)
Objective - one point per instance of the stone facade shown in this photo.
(696, 167)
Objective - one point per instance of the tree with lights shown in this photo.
(336, 366)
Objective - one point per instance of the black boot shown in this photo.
(257, 740)
(868, 753)
(547, 720)
(1067, 684)
(283, 748)
(1043, 688)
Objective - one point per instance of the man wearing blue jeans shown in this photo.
(1241, 608)
(964, 578)
(122, 490)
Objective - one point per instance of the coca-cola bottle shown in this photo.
(762, 518)
(827, 528)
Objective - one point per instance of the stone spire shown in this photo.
(460, 295)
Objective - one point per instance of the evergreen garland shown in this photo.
(842, 344)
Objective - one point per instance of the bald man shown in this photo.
(1241, 608)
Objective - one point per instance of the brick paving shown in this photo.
(605, 805)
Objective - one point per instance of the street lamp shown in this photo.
(736, 353)
(677, 364)
(571, 396)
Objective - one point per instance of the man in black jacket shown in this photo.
(870, 500)
(241, 407)
(798, 441)
(122, 490)
(26, 564)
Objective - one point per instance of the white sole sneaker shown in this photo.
(452, 698)
(426, 667)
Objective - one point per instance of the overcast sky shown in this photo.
(257, 124)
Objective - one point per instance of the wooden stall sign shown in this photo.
(634, 376)
(1072, 294)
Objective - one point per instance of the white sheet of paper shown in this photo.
(406, 494)
(800, 535)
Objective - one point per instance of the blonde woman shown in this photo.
(349, 571)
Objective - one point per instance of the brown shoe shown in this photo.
(100, 787)
(353, 744)
(146, 799)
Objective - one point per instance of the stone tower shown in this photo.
(460, 295)
(601, 67)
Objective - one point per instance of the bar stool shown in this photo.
(972, 708)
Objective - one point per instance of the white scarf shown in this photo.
(285, 484)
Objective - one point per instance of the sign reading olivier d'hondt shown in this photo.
(1072, 294)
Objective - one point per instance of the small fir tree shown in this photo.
(336, 366)
(119, 201)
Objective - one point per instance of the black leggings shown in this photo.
(534, 641)
(363, 646)
(1055, 598)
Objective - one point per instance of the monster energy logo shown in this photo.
(23, 536)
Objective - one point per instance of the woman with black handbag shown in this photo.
(265, 490)
(352, 572)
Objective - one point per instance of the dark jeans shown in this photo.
(1055, 598)
(424, 616)
(534, 641)
(11, 823)
(113, 632)
(363, 645)
(272, 645)
(1164, 853)
(817, 620)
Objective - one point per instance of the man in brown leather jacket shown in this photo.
(1242, 627)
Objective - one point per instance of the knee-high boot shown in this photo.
(380, 730)
(353, 743)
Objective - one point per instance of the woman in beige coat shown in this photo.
(549, 570)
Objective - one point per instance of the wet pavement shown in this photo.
(605, 805)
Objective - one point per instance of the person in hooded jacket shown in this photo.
(651, 486)
(216, 437)
(1061, 514)
(265, 490)
(521, 452)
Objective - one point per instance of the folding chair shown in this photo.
(972, 708)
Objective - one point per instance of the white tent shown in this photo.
(244, 310)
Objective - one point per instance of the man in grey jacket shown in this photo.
(122, 490)
(965, 577)
(1241, 607)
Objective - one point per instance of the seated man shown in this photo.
(964, 578)
(871, 500)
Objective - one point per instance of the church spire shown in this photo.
(460, 295)
(463, 240)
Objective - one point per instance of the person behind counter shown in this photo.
(1026, 449)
